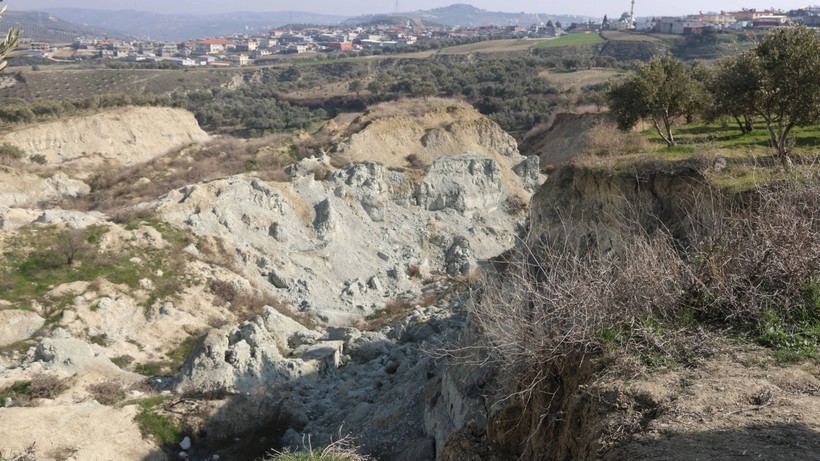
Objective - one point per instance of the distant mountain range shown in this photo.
(44, 27)
(461, 14)
(156, 26)
(65, 24)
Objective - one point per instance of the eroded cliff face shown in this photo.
(122, 136)
(584, 207)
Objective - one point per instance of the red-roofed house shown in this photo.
(212, 45)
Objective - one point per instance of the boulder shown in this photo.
(17, 325)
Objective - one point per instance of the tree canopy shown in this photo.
(660, 91)
(786, 69)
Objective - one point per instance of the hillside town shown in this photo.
(246, 49)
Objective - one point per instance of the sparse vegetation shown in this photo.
(26, 393)
(107, 392)
(40, 258)
(155, 423)
(340, 450)
(655, 302)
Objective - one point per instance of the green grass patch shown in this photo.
(176, 357)
(791, 340)
(38, 259)
(164, 429)
(572, 40)
(13, 392)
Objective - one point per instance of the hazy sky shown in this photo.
(356, 7)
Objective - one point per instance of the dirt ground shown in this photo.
(738, 405)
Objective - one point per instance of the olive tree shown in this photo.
(733, 88)
(8, 44)
(786, 64)
(660, 91)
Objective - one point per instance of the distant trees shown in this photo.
(660, 91)
(356, 86)
(8, 44)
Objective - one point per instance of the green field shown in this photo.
(572, 40)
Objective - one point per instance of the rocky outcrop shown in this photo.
(24, 189)
(438, 133)
(465, 183)
(240, 358)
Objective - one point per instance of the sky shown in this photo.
(595, 8)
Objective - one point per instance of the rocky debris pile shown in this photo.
(374, 384)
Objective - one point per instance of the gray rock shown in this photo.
(458, 259)
(464, 183)
(530, 172)
(239, 358)
(186, 443)
(324, 223)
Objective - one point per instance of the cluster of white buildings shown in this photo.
(240, 50)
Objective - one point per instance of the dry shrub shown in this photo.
(415, 161)
(547, 302)
(46, 387)
(414, 271)
(515, 204)
(107, 392)
(605, 139)
(762, 255)
(41, 386)
(342, 449)
(28, 454)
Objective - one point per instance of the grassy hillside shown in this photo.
(572, 40)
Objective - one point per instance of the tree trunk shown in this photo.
(779, 137)
(749, 126)
(669, 143)
(739, 124)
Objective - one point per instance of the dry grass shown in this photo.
(605, 139)
(580, 78)
(394, 311)
(225, 156)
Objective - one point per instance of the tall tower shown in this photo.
(632, 24)
(397, 7)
